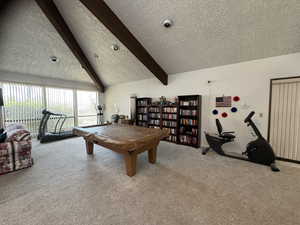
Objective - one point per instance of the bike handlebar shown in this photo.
(248, 118)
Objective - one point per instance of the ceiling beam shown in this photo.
(107, 17)
(51, 11)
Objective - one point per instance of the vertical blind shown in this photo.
(24, 104)
(60, 100)
(87, 107)
(285, 118)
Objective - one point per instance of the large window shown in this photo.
(61, 101)
(24, 104)
(87, 102)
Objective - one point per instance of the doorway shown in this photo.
(284, 118)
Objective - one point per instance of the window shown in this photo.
(87, 102)
(24, 104)
(60, 101)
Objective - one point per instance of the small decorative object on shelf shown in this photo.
(162, 100)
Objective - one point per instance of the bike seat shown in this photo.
(227, 135)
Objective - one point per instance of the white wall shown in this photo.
(249, 80)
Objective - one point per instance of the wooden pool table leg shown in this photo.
(152, 155)
(130, 161)
(89, 147)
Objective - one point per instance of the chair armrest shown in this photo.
(18, 135)
(228, 132)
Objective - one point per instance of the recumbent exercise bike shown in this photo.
(257, 151)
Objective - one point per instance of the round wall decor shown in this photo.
(224, 114)
(236, 98)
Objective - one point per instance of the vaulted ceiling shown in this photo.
(28, 40)
(212, 33)
(205, 34)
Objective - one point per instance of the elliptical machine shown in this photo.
(257, 151)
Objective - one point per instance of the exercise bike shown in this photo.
(257, 151)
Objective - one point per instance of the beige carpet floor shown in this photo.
(65, 186)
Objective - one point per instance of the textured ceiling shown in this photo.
(212, 33)
(205, 34)
(113, 66)
(27, 40)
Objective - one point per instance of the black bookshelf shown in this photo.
(189, 121)
(169, 121)
(142, 105)
(154, 115)
(182, 119)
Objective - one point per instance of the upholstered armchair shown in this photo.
(15, 152)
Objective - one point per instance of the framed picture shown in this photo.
(224, 101)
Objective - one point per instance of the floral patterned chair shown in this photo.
(15, 152)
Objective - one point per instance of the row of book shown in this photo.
(188, 122)
(142, 117)
(172, 138)
(169, 123)
(170, 116)
(184, 139)
(154, 109)
(154, 126)
(154, 122)
(171, 130)
(189, 103)
(193, 131)
(142, 103)
(169, 109)
(143, 124)
(185, 112)
(154, 115)
(142, 110)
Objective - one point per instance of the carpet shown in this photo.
(68, 187)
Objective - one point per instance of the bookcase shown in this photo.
(142, 105)
(169, 114)
(190, 120)
(154, 116)
(182, 119)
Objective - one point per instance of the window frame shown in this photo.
(75, 115)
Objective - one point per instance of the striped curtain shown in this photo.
(23, 104)
(285, 118)
(60, 100)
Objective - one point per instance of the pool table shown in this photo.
(124, 139)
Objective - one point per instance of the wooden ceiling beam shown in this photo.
(52, 13)
(107, 17)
